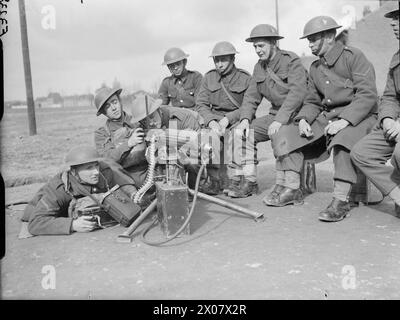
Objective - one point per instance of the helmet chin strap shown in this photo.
(321, 43)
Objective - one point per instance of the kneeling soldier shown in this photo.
(120, 139)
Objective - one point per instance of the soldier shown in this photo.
(181, 88)
(218, 102)
(279, 77)
(51, 211)
(373, 151)
(120, 139)
(340, 109)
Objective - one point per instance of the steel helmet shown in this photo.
(223, 48)
(102, 95)
(393, 9)
(81, 155)
(138, 108)
(263, 31)
(174, 55)
(319, 24)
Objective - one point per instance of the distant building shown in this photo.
(53, 100)
(83, 101)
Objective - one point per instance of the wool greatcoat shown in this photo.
(342, 86)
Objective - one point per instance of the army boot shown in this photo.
(287, 196)
(269, 198)
(244, 189)
(336, 211)
(212, 187)
(233, 183)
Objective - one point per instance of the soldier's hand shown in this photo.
(223, 123)
(393, 131)
(305, 129)
(136, 137)
(214, 126)
(243, 128)
(387, 124)
(335, 126)
(274, 128)
(83, 224)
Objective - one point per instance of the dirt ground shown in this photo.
(290, 255)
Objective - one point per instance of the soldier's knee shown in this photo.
(357, 154)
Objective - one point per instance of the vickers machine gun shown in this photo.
(170, 153)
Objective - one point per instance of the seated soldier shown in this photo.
(120, 139)
(182, 86)
(373, 151)
(339, 110)
(52, 211)
(218, 102)
(280, 78)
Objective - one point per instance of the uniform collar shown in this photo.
(182, 77)
(227, 76)
(273, 62)
(121, 121)
(332, 55)
(395, 60)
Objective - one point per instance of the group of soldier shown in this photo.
(332, 109)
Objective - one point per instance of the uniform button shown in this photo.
(327, 82)
(180, 100)
(329, 100)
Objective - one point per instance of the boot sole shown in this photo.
(293, 202)
(242, 196)
(330, 220)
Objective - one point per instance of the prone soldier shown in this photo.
(52, 211)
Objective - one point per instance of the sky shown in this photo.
(75, 47)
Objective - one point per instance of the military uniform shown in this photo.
(371, 153)
(111, 142)
(286, 97)
(181, 91)
(341, 86)
(185, 119)
(213, 104)
(47, 213)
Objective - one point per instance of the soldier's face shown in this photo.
(224, 64)
(263, 48)
(88, 173)
(395, 25)
(314, 43)
(113, 108)
(177, 68)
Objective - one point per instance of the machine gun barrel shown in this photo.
(226, 204)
